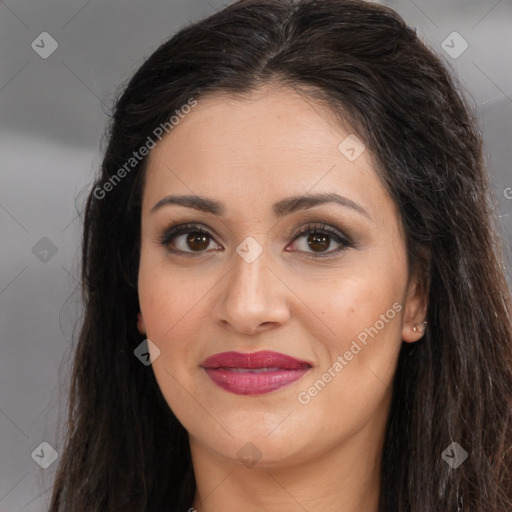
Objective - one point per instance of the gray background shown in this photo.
(52, 117)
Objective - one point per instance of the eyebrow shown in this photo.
(281, 208)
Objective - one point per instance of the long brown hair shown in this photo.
(124, 449)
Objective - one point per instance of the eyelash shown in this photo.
(176, 230)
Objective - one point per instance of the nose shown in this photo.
(251, 298)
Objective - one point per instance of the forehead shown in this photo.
(272, 117)
(260, 147)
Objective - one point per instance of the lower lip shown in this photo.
(252, 383)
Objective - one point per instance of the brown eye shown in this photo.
(197, 239)
(318, 242)
(319, 238)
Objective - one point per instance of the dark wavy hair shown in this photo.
(124, 448)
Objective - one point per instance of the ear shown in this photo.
(141, 327)
(415, 309)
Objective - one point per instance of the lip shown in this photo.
(253, 373)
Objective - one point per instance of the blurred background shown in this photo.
(61, 63)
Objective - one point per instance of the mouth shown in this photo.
(254, 373)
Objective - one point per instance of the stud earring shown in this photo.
(419, 327)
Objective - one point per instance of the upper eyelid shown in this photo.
(291, 232)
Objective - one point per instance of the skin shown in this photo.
(249, 153)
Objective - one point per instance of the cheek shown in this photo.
(360, 336)
(170, 304)
(352, 383)
(354, 301)
(169, 299)
(167, 304)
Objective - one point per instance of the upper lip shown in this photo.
(262, 359)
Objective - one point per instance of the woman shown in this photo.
(294, 294)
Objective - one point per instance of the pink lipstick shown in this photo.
(253, 373)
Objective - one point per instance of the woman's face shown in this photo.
(338, 301)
